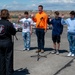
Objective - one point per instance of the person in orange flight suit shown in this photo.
(41, 27)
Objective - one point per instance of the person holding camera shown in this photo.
(6, 45)
(41, 27)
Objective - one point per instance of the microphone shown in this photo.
(41, 18)
(40, 21)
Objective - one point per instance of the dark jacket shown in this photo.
(57, 26)
(6, 30)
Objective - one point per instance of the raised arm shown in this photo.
(63, 22)
(19, 18)
(33, 17)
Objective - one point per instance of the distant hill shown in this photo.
(14, 14)
(51, 13)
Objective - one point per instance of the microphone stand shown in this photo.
(16, 37)
(13, 51)
(39, 56)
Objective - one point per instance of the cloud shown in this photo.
(33, 4)
(4, 6)
(48, 5)
(14, 2)
(59, 1)
(58, 4)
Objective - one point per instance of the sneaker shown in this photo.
(53, 52)
(72, 55)
(69, 54)
(24, 49)
(28, 49)
(57, 52)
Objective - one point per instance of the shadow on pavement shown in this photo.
(33, 48)
(48, 49)
(63, 51)
(21, 71)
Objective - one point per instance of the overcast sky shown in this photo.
(33, 4)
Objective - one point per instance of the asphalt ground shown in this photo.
(24, 64)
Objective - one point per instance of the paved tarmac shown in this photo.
(54, 64)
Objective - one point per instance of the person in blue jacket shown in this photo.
(57, 29)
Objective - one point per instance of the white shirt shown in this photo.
(26, 24)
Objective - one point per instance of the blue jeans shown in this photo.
(40, 38)
(71, 39)
(27, 39)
